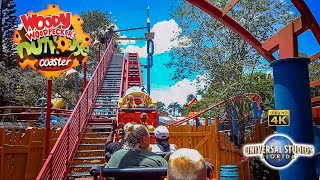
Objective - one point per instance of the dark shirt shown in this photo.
(141, 158)
(111, 148)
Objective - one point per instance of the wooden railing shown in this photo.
(216, 146)
(22, 151)
(61, 156)
(29, 113)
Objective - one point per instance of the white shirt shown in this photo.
(159, 148)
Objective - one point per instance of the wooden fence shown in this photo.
(21, 152)
(216, 146)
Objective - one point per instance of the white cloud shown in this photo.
(142, 51)
(164, 31)
(125, 42)
(179, 91)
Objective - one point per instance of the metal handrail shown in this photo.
(60, 158)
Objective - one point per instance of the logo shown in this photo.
(278, 117)
(51, 41)
(278, 151)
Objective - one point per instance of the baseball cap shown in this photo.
(161, 132)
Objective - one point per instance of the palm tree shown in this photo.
(175, 106)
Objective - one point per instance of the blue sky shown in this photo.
(132, 13)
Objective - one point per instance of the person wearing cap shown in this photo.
(161, 134)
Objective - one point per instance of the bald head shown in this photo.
(186, 164)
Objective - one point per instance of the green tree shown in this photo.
(314, 74)
(162, 108)
(8, 63)
(8, 22)
(190, 97)
(175, 107)
(212, 49)
(93, 22)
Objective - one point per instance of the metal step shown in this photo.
(100, 144)
(89, 158)
(110, 91)
(99, 123)
(79, 174)
(85, 165)
(110, 87)
(97, 127)
(112, 78)
(106, 122)
(102, 133)
(111, 112)
(108, 95)
(98, 138)
(113, 73)
(97, 119)
(90, 151)
(105, 105)
(103, 114)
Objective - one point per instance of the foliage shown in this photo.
(190, 97)
(93, 21)
(176, 107)
(213, 50)
(8, 21)
(161, 107)
(314, 74)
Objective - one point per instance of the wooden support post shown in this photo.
(2, 143)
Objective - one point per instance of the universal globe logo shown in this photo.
(278, 151)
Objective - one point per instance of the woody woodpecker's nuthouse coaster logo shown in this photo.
(278, 151)
(51, 41)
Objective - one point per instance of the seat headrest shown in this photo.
(137, 172)
(123, 172)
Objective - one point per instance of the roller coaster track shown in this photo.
(177, 123)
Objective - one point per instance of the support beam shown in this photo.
(233, 25)
(229, 7)
(130, 29)
(315, 83)
(315, 56)
(288, 43)
(308, 17)
(272, 44)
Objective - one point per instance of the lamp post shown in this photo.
(150, 51)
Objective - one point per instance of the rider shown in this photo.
(162, 137)
(143, 119)
(130, 102)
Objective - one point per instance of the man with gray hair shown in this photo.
(186, 164)
(134, 152)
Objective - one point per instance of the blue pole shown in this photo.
(317, 146)
(292, 92)
(234, 123)
(149, 56)
(255, 112)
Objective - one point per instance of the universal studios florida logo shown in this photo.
(278, 151)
